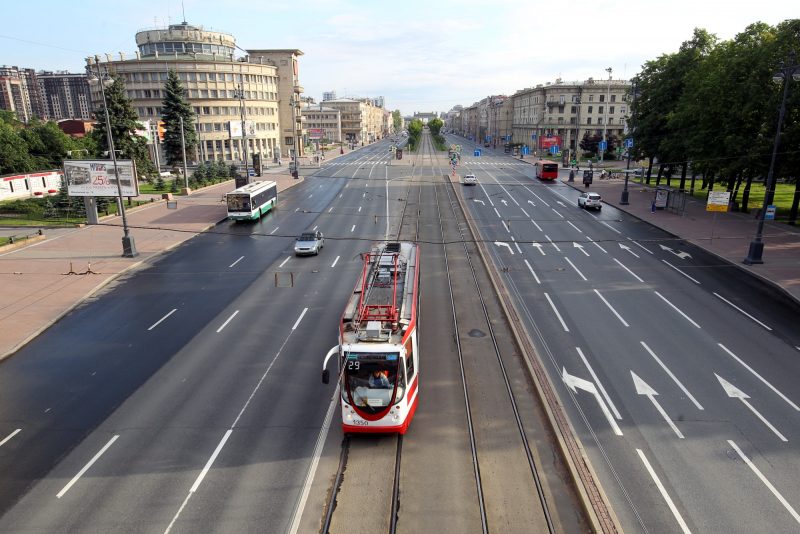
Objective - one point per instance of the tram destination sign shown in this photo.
(96, 178)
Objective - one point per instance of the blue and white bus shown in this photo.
(251, 201)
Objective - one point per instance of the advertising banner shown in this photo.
(235, 128)
(96, 178)
(316, 133)
(547, 141)
(718, 200)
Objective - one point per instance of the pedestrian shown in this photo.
(653, 206)
(571, 175)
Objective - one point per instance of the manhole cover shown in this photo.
(476, 333)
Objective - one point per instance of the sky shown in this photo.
(419, 55)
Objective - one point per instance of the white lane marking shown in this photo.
(159, 321)
(599, 384)
(330, 209)
(284, 262)
(210, 461)
(572, 225)
(562, 196)
(540, 198)
(296, 210)
(595, 244)
(766, 482)
(631, 272)
(640, 246)
(537, 226)
(274, 230)
(516, 244)
(573, 382)
(532, 272)
(87, 466)
(312, 468)
(763, 380)
(315, 228)
(8, 437)
(552, 242)
(576, 269)
(672, 376)
(525, 212)
(538, 246)
(643, 388)
(237, 261)
(363, 195)
(353, 228)
(741, 310)
(297, 323)
(234, 314)
(610, 307)
(563, 324)
(683, 273)
(736, 393)
(359, 209)
(505, 226)
(557, 213)
(311, 195)
(662, 297)
(625, 247)
(664, 493)
(498, 214)
(614, 229)
(334, 262)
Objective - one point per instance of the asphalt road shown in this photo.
(683, 370)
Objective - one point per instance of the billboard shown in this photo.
(235, 128)
(96, 178)
(316, 133)
(546, 141)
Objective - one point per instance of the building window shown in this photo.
(600, 109)
(591, 98)
(599, 120)
(622, 110)
(610, 110)
(588, 120)
(610, 121)
(590, 109)
(613, 98)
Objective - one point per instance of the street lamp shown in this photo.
(239, 93)
(624, 198)
(605, 115)
(295, 103)
(782, 76)
(577, 132)
(128, 244)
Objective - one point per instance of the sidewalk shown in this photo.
(726, 235)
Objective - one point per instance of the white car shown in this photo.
(590, 200)
(469, 179)
(309, 243)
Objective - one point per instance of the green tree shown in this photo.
(174, 108)
(124, 123)
(397, 120)
(14, 156)
(48, 145)
(435, 125)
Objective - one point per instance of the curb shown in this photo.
(598, 511)
(22, 243)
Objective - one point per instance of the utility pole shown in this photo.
(244, 132)
(605, 114)
(577, 127)
(185, 169)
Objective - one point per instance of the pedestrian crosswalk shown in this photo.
(464, 162)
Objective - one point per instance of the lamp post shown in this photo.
(183, 151)
(792, 70)
(295, 103)
(128, 244)
(577, 127)
(240, 95)
(605, 115)
(624, 198)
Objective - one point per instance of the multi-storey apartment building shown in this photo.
(221, 88)
(321, 118)
(20, 93)
(65, 95)
(362, 121)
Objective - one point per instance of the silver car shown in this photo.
(590, 200)
(309, 243)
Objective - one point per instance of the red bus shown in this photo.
(546, 170)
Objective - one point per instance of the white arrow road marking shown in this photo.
(610, 307)
(631, 272)
(551, 242)
(538, 246)
(676, 309)
(741, 310)
(763, 380)
(672, 376)
(553, 306)
(531, 203)
(17, 431)
(600, 387)
(683, 273)
(643, 388)
(479, 200)
(87, 466)
(623, 246)
(736, 393)
(664, 494)
(682, 255)
(504, 202)
(574, 382)
(532, 272)
(580, 247)
(595, 244)
(576, 269)
(499, 244)
(766, 482)
(559, 202)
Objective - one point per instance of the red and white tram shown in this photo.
(378, 356)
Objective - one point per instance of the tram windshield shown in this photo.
(239, 202)
(373, 379)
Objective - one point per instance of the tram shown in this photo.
(377, 351)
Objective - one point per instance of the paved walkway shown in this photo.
(727, 235)
(43, 281)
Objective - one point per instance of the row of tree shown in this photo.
(711, 110)
(414, 131)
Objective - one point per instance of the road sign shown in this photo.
(477, 152)
(488, 138)
(555, 149)
(526, 150)
(602, 145)
(251, 172)
(718, 200)
(533, 136)
(629, 142)
(769, 215)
